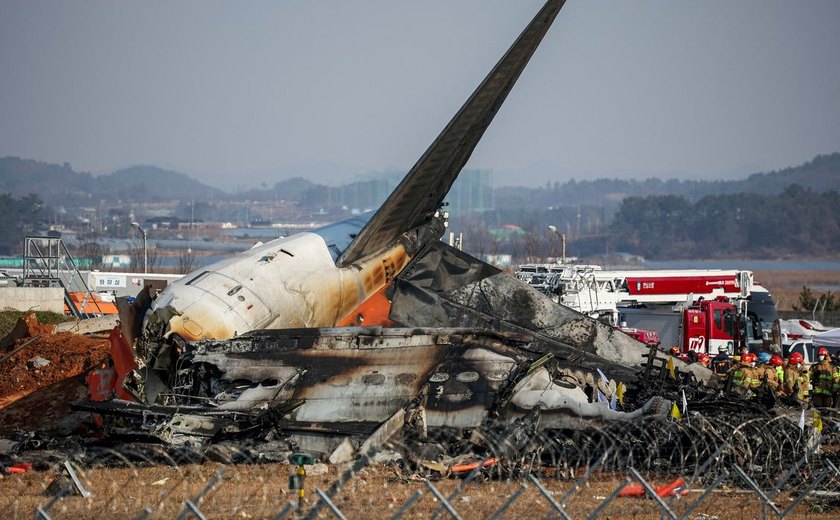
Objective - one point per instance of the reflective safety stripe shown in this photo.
(803, 382)
(738, 377)
(751, 382)
(824, 380)
(780, 374)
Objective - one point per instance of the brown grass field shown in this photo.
(260, 492)
(785, 286)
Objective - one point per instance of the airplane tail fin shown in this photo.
(421, 192)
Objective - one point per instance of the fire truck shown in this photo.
(704, 311)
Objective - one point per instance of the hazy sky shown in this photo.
(237, 92)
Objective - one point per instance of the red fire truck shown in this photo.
(705, 326)
(697, 310)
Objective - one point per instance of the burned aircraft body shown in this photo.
(318, 279)
(520, 354)
(345, 382)
(447, 287)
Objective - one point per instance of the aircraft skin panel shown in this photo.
(421, 192)
(321, 279)
(287, 283)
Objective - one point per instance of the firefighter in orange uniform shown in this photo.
(777, 363)
(837, 379)
(796, 378)
(768, 372)
(822, 377)
(752, 373)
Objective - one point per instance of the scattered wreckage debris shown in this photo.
(67, 354)
(428, 401)
(222, 353)
(473, 366)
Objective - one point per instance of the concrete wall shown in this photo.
(32, 298)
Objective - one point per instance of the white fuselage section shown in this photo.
(286, 283)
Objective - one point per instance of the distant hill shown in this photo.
(821, 174)
(60, 185)
(53, 183)
(288, 190)
(150, 183)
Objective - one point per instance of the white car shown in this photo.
(808, 350)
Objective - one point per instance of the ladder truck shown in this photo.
(699, 310)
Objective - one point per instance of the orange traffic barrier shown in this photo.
(670, 489)
(635, 490)
(464, 468)
(22, 467)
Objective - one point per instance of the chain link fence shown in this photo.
(698, 467)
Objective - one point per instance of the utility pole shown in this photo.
(145, 249)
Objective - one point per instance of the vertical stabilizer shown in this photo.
(422, 190)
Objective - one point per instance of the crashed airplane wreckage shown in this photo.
(327, 335)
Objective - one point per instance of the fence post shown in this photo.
(461, 485)
(764, 498)
(191, 506)
(509, 501)
(607, 501)
(548, 497)
(336, 511)
(652, 493)
(443, 501)
(408, 503)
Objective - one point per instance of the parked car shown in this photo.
(807, 349)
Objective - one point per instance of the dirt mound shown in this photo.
(27, 326)
(52, 403)
(68, 355)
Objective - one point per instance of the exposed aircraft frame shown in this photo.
(476, 344)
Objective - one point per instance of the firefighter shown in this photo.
(752, 373)
(796, 378)
(768, 372)
(837, 380)
(739, 364)
(822, 377)
(776, 362)
(721, 363)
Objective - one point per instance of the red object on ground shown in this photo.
(670, 489)
(635, 490)
(464, 468)
(22, 467)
